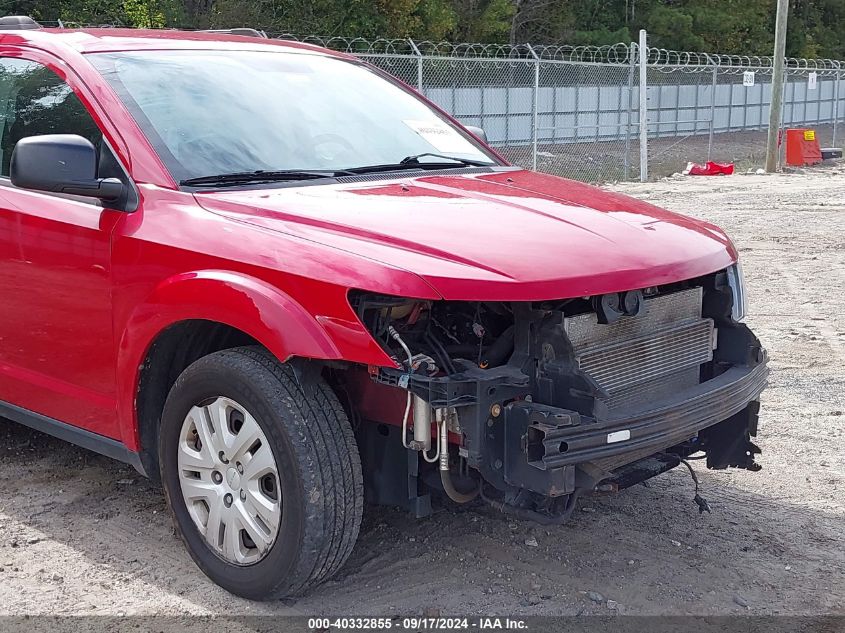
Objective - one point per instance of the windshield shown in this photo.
(209, 113)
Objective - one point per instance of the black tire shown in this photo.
(318, 464)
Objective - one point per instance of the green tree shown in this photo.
(483, 20)
(673, 28)
(816, 27)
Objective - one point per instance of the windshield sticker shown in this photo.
(442, 137)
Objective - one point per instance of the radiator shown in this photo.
(647, 357)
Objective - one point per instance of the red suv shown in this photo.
(283, 282)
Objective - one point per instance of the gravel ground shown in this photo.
(604, 161)
(80, 534)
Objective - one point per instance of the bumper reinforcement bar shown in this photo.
(556, 438)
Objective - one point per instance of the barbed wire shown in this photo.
(666, 57)
(615, 53)
(621, 53)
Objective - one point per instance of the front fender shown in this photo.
(251, 305)
(255, 307)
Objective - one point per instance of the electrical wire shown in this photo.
(700, 501)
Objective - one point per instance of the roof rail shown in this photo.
(17, 23)
(238, 31)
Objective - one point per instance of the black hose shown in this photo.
(462, 351)
(438, 349)
(498, 352)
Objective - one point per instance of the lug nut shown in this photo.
(240, 468)
(216, 477)
(222, 457)
(227, 501)
(496, 410)
(243, 495)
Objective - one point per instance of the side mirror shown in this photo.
(477, 131)
(61, 163)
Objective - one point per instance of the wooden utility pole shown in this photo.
(777, 87)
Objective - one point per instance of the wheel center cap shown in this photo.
(233, 478)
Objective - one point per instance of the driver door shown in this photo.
(56, 340)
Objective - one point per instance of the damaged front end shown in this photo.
(532, 404)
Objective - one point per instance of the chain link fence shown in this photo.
(574, 110)
(560, 110)
(716, 107)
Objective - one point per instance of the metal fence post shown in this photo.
(632, 60)
(535, 105)
(835, 104)
(419, 64)
(712, 106)
(643, 59)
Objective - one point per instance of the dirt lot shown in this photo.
(80, 534)
(604, 161)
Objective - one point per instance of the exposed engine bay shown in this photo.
(530, 404)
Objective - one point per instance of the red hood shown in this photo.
(511, 235)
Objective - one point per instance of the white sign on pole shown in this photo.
(812, 81)
(748, 78)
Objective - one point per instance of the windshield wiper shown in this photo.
(282, 175)
(414, 162)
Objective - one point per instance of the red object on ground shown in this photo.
(802, 147)
(709, 169)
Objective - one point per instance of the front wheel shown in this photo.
(262, 477)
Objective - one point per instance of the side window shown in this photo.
(33, 101)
